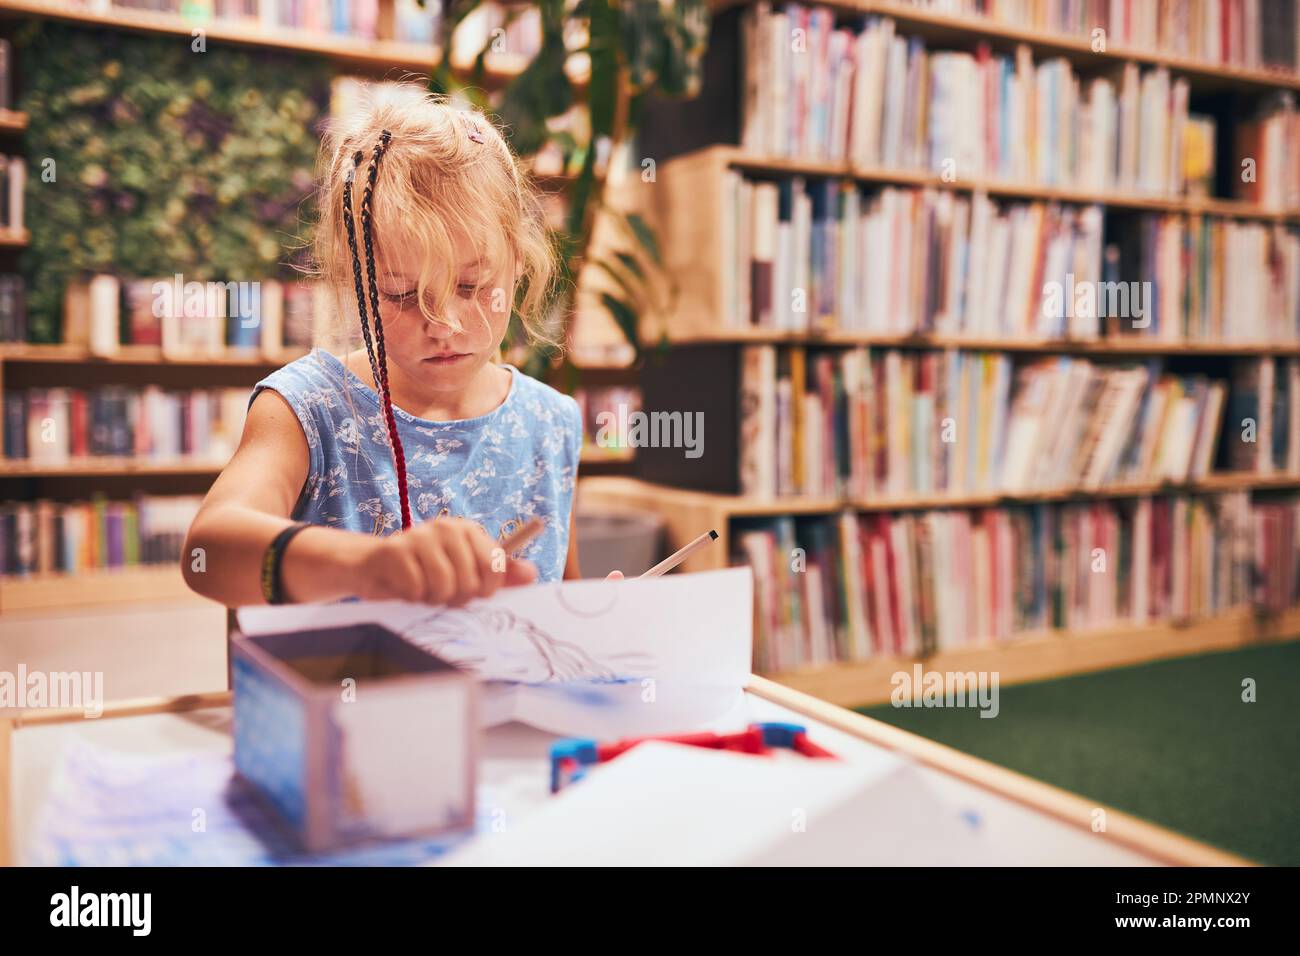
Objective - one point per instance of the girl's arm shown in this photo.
(571, 570)
(445, 561)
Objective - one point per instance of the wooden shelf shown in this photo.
(965, 30)
(687, 512)
(139, 355)
(687, 204)
(1113, 347)
(738, 158)
(1053, 654)
(13, 238)
(86, 467)
(109, 586)
(383, 56)
(12, 121)
(592, 454)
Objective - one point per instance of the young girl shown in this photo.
(397, 469)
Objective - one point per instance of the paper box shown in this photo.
(352, 733)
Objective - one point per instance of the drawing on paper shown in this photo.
(502, 645)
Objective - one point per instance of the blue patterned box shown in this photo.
(353, 733)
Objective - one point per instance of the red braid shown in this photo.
(375, 352)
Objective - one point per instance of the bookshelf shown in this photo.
(690, 509)
(377, 56)
(690, 207)
(963, 31)
(688, 198)
(45, 592)
(59, 354)
(1034, 657)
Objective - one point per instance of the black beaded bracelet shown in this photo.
(272, 586)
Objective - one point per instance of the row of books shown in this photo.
(1263, 417)
(880, 100)
(863, 423)
(606, 411)
(48, 537)
(358, 18)
(1255, 34)
(13, 308)
(58, 425)
(1266, 147)
(6, 75)
(853, 587)
(412, 21)
(193, 319)
(13, 181)
(823, 253)
(1208, 279)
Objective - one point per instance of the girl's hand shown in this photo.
(447, 561)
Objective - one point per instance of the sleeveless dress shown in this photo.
(518, 461)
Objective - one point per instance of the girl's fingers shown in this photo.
(461, 554)
(439, 573)
(490, 558)
(520, 572)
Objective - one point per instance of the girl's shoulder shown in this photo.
(545, 402)
(317, 369)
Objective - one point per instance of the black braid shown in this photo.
(380, 361)
(350, 224)
(366, 219)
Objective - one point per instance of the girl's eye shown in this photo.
(466, 290)
(401, 298)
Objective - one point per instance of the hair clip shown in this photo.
(475, 134)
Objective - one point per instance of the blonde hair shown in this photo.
(447, 174)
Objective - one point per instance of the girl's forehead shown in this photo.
(405, 255)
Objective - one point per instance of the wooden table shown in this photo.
(1030, 822)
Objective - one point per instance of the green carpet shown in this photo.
(1171, 742)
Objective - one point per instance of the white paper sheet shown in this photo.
(595, 658)
(664, 804)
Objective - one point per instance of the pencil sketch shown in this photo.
(501, 645)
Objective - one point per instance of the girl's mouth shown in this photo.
(450, 358)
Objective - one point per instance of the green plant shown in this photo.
(165, 160)
(637, 49)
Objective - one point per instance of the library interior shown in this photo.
(939, 360)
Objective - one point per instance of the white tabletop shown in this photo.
(514, 769)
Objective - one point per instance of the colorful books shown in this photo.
(1264, 167)
(1262, 431)
(883, 100)
(357, 18)
(854, 587)
(60, 425)
(192, 319)
(13, 183)
(13, 308)
(49, 537)
(824, 254)
(871, 423)
(1256, 34)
